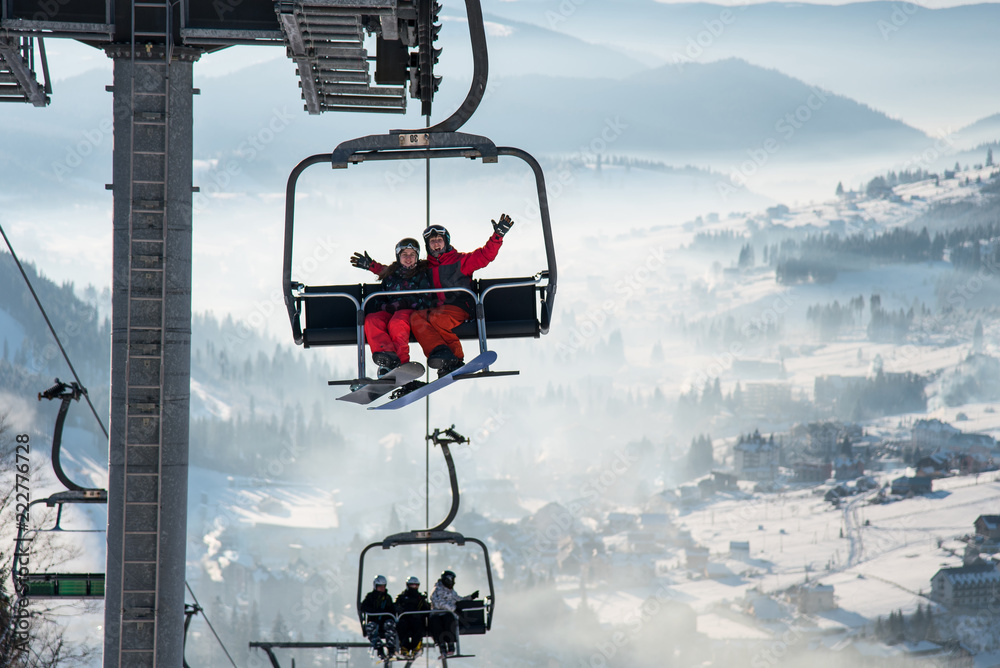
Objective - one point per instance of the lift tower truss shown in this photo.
(151, 340)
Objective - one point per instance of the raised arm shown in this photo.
(366, 262)
(481, 257)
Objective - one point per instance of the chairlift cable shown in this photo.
(53, 330)
(427, 401)
(212, 628)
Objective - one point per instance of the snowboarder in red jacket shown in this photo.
(449, 268)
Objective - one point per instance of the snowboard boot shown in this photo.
(439, 356)
(386, 361)
(450, 365)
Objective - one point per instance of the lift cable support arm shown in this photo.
(52, 329)
(67, 392)
(444, 438)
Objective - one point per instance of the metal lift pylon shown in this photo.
(151, 349)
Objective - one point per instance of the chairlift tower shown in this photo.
(154, 45)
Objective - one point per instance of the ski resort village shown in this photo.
(666, 334)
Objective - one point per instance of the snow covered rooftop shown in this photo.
(969, 575)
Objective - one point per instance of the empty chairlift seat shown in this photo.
(471, 617)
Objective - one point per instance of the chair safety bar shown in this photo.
(360, 305)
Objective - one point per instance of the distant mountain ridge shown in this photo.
(725, 107)
(984, 131)
(926, 66)
(551, 91)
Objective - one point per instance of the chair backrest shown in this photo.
(472, 619)
(331, 321)
(510, 313)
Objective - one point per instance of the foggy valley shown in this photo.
(761, 431)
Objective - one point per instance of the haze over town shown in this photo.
(762, 427)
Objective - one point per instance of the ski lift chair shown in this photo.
(475, 617)
(505, 307)
(57, 585)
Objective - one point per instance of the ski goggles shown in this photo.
(400, 247)
(435, 230)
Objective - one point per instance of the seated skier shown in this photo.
(387, 329)
(444, 627)
(412, 627)
(432, 327)
(380, 622)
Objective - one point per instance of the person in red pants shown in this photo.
(451, 269)
(387, 329)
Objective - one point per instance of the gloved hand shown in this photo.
(361, 261)
(503, 226)
(474, 595)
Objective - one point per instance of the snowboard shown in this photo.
(476, 364)
(372, 390)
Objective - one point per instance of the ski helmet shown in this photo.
(413, 580)
(437, 231)
(448, 578)
(380, 581)
(407, 243)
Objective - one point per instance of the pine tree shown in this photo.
(840, 189)
(255, 621)
(279, 630)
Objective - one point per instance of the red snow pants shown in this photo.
(432, 328)
(389, 332)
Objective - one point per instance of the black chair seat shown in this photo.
(510, 313)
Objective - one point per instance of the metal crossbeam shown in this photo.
(18, 81)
